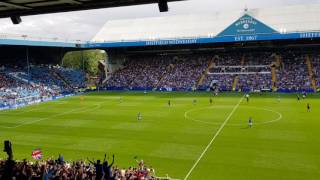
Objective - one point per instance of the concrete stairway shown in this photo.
(310, 73)
(211, 64)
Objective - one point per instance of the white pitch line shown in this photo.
(233, 124)
(214, 137)
(57, 115)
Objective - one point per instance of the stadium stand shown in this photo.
(225, 71)
(18, 88)
(73, 77)
(187, 70)
(197, 53)
(232, 71)
(292, 73)
(316, 68)
(141, 72)
(59, 169)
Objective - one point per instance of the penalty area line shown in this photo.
(214, 137)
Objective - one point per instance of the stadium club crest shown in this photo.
(247, 25)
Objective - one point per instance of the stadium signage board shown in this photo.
(246, 28)
(164, 42)
(218, 39)
(171, 42)
(247, 25)
(310, 35)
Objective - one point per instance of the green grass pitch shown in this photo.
(202, 140)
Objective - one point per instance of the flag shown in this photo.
(37, 154)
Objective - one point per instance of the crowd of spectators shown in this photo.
(252, 82)
(12, 89)
(293, 73)
(258, 69)
(150, 71)
(253, 72)
(183, 72)
(58, 169)
(223, 81)
(141, 72)
(74, 77)
(176, 72)
(22, 85)
(316, 68)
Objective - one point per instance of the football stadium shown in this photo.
(226, 95)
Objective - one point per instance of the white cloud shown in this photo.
(85, 24)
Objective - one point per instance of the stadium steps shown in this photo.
(102, 66)
(276, 64)
(137, 77)
(236, 78)
(274, 78)
(15, 76)
(277, 60)
(61, 78)
(235, 83)
(168, 71)
(211, 64)
(311, 74)
(243, 59)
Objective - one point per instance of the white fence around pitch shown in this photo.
(21, 102)
(247, 66)
(166, 178)
(239, 73)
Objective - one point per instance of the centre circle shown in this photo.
(216, 115)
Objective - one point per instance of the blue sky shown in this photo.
(83, 25)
